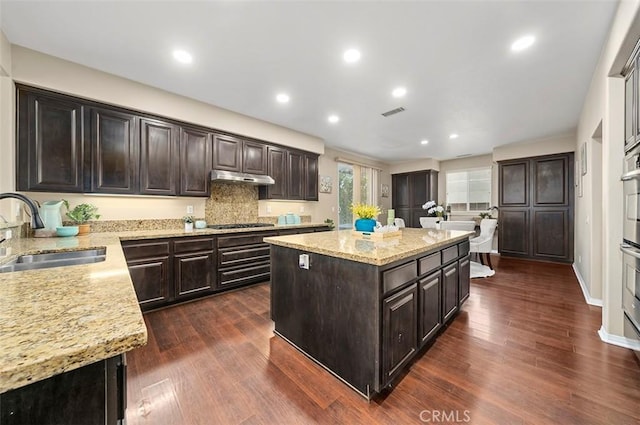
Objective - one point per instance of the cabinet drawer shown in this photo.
(242, 275)
(463, 248)
(251, 239)
(429, 263)
(229, 257)
(145, 249)
(193, 245)
(449, 254)
(400, 275)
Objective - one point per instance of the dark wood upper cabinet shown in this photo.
(514, 187)
(400, 191)
(227, 153)
(410, 191)
(50, 143)
(536, 207)
(311, 177)
(195, 162)
(159, 157)
(254, 157)
(636, 100)
(277, 169)
(114, 151)
(295, 172)
(419, 186)
(630, 108)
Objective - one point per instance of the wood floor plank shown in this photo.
(523, 350)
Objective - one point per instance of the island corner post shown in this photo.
(361, 317)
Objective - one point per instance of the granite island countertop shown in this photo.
(59, 319)
(351, 245)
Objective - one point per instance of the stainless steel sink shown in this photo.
(54, 259)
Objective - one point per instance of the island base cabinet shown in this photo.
(430, 317)
(464, 279)
(91, 395)
(399, 334)
(450, 284)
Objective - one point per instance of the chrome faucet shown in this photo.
(36, 221)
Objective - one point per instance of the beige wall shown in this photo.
(34, 68)
(417, 165)
(545, 146)
(7, 170)
(603, 112)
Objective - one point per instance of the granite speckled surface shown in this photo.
(232, 203)
(349, 245)
(58, 319)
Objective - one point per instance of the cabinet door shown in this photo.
(450, 284)
(295, 176)
(193, 273)
(151, 279)
(254, 158)
(514, 184)
(50, 143)
(400, 327)
(550, 177)
(276, 168)
(195, 162)
(636, 101)
(419, 193)
(430, 317)
(400, 191)
(433, 186)
(311, 177)
(464, 279)
(513, 237)
(159, 159)
(227, 153)
(630, 108)
(114, 151)
(551, 234)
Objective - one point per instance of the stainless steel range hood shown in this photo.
(235, 177)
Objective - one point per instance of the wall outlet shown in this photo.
(303, 261)
(579, 258)
(333, 209)
(8, 234)
(189, 209)
(268, 209)
(302, 208)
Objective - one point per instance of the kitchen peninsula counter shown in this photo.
(365, 308)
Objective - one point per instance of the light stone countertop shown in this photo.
(350, 245)
(58, 319)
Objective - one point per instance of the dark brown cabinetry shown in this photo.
(536, 207)
(410, 191)
(450, 289)
(151, 271)
(91, 395)
(243, 259)
(277, 169)
(464, 279)
(295, 175)
(631, 73)
(254, 157)
(193, 265)
(227, 153)
(159, 157)
(114, 151)
(399, 331)
(195, 161)
(50, 143)
(430, 317)
(311, 177)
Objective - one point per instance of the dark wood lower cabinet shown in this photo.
(151, 271)
(450, 284)
(399, 331)
(430, 317)
(464, 279)
(193, 273)
(91, 395)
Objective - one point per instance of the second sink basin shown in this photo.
(54, 259)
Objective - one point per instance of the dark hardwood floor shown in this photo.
(523, 350)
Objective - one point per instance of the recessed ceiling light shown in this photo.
(453, 136)
(351, 56)
(523, 43)
(333, 119)
(182, 56)
(399, 92)
(424, 142)
(282, 98)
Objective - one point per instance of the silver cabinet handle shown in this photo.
(628, 249)
(630, 175)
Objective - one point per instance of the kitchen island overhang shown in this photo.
(364, 308)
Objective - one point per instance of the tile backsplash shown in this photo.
(232, 203)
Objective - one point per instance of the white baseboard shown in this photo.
(620, 341)
(583, 285)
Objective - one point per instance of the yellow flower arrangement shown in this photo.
(365, 210)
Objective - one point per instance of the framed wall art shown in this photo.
(325, 184)
(384, 190)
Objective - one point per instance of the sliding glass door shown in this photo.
(356, 184)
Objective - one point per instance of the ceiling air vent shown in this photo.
(392, 112)
(463, 155)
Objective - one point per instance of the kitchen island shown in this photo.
(364, 307)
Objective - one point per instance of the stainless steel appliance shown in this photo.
(235, 177)
(631, 184)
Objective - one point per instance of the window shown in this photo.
(356, 183)
(469, 190)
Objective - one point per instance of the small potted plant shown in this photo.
(80, 214)
(367, 216)
(330, 224)
(188, 223)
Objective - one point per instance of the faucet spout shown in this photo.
(36, 221)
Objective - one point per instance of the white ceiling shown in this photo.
(453, 57)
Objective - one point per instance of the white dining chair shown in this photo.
(430, 222)
(458, 225)
(482, 244)
(399, 222)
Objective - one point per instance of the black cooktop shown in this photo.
(239, 225)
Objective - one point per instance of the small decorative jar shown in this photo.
(365, 224)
